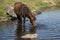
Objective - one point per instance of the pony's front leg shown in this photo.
(33, 20)
(19, 18)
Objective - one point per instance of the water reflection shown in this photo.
(21, 31)
(48, 27)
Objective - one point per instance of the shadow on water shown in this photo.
(21, 31)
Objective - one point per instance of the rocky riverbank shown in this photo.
(3, 19)
(34, 12)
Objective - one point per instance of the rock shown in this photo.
(36, 12)
(3, 18)
(29, 36)
(10, 10)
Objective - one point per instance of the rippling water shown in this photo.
(48, 27)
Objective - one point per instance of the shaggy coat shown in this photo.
(22, 11)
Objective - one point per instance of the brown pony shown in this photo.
(22, 11)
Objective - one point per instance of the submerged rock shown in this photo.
(30, 36)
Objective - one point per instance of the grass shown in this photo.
(58, 2)
(4, 6)
(32, 4)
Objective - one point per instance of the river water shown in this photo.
(48, 27)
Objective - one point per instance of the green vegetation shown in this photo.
(32, 4)
(58, 2)
(3, 6)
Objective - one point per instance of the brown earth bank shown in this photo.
(53, 2)
(1, 1)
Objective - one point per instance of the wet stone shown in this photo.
(29, 36)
